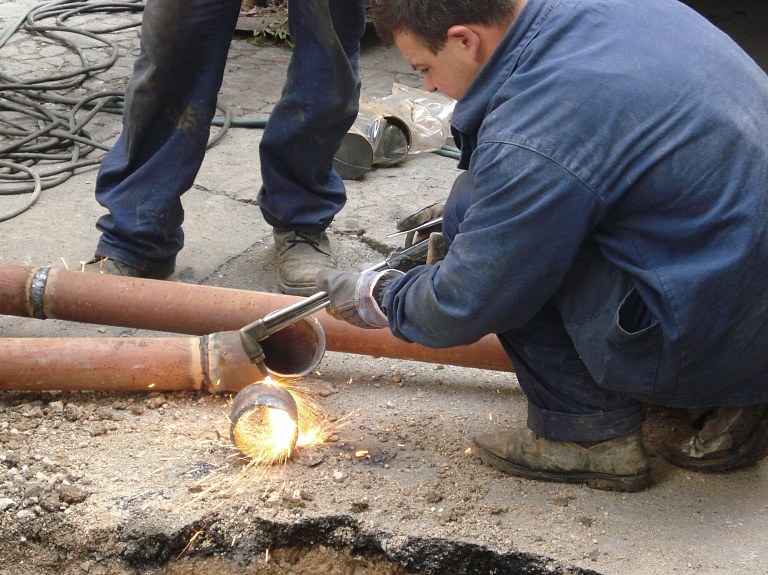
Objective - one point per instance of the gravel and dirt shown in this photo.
(124, 483)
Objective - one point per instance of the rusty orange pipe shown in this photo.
(198, 310)
(210, 363)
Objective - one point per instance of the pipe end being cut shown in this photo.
(264, 422)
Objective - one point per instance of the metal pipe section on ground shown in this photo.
(210, 363)
(198, 310)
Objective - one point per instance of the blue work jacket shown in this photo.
(634, 124)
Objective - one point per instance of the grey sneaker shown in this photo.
(299, 257)
(104, 265)
(730, 437)
(619, 464)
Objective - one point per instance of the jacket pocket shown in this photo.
(632, 348)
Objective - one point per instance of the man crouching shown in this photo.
(611, 228)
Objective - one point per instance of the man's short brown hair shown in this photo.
(431, 19)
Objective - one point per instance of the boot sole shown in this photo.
(604, 481)
(162, 273)
(305, 290)
(754, 449)
(120, 269)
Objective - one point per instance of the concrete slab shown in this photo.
(420, 502)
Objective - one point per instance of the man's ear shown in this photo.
(469, 40)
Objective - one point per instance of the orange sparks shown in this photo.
(189, 543)
(314, 426)
(265, 435)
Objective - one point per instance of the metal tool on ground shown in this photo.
(433, 223)
(424, 226)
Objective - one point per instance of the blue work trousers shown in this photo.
(171, 99)
(550, 353)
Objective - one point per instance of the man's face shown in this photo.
(450, 71)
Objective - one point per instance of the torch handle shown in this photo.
(279, 319)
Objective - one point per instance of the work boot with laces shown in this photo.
(619, 464)
(728, 438)
(299, 257)
(105, 265)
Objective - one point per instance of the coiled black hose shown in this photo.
(43, 136)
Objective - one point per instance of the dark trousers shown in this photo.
(559, 355)
(171, 99)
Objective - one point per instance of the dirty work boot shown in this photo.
(731, 437)
(619, 464)
(299, 257)
(104, 265)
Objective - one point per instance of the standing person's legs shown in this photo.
(301, 192)
(169, 103)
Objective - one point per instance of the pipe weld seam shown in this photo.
(204, 364)
(37, 293)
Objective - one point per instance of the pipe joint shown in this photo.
(37, 293)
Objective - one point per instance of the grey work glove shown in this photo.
(352, 297)
(422, 216)
(436, 248)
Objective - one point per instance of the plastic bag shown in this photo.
(426, 114)
(408, 121)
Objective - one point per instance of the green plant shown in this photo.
(274, 27)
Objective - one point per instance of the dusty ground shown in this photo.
(117, 483)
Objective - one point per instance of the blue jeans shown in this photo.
(171, 99)
(553, 352)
